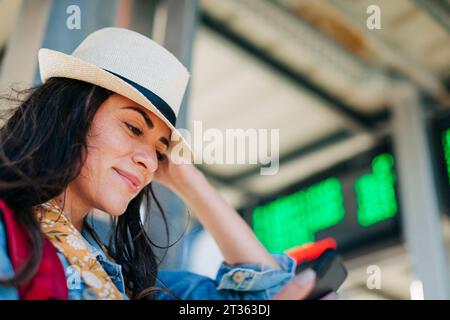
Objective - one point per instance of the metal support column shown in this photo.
(20, 59)
(174, 27)
(420, 213)
(94, 15)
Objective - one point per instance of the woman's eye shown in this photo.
(159, 155)
(134, 130)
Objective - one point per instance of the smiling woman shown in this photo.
(62, 143)
(95, 135)
(125, 143)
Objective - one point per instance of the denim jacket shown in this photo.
(238, 282)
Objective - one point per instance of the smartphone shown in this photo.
(330, 273)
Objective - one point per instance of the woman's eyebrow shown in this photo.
(147, 120)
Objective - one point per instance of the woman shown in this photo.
(95, 135)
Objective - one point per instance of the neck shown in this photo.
(75, 210)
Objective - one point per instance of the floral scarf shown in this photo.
(69, 241)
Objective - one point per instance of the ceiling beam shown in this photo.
(358, 120)
(438, 10)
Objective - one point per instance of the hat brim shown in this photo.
(58, 64)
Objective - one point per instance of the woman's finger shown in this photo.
(299, 287)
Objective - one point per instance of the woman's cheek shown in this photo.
(109, 148)
(118, 198)
(118, 143)
(114, 202)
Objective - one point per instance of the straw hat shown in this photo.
(129, 64)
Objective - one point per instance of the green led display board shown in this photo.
(294, 219)
(375, 192)
(446, 144)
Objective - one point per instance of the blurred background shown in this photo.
(359, 91)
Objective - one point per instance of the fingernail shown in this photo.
(306, 277)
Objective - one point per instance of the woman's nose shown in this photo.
(146, 160)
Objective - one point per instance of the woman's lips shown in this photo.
(132, 181)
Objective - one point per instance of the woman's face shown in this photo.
(124, 146)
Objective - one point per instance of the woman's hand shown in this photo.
(173, 175)
(300, 287)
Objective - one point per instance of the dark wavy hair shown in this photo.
(42, 149)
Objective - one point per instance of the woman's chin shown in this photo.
(115, 208)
